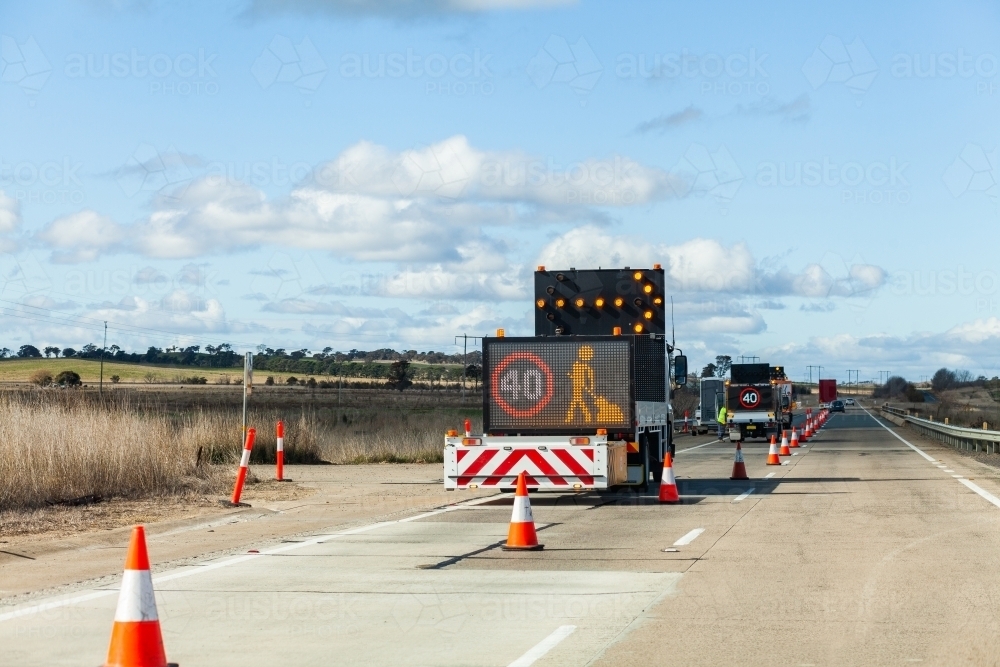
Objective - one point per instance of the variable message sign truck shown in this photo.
(583, 404)
(758, 401)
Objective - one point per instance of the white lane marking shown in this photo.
(769, 475)
(714, 442)
(54, 604)
(742, 495)
(544, 646)
(795, 453)
(900, 438)
(974, 487)
(180, 573)
(689, 538)
(784, 463)
(981, 491)
(957, 476)
(949, 471)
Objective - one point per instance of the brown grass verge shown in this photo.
(57, 449)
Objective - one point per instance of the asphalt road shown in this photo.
(860, 550)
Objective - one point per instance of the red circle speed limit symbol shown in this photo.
(749, 398)
(522, 384)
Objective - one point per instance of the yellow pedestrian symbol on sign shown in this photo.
(582, 377)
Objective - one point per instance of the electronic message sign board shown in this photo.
(750, 398)
(554, 385)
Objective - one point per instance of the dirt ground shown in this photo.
(66, 520)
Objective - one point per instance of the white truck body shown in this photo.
(712, 395)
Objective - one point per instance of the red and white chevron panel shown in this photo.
(553, 468)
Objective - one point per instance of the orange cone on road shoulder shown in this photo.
(784, 451)
(136, 640)
(794, 442)
(521, 535)
(772, 454)
(668, 485)
(739, 465)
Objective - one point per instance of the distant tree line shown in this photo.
(946, 378)
(897, 387)
(351, 364)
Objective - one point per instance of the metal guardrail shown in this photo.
(959, 437)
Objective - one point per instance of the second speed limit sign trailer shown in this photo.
(584, 404)
(752, 402)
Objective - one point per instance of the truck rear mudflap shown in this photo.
(551, 463)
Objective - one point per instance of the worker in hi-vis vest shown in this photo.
(722, 421)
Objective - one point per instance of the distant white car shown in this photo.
(849, 401)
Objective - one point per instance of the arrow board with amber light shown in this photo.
(593, 302)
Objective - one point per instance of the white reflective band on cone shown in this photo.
(245, 460)
(136, 601)
(668, 475)
(281, 444)
(522, 510)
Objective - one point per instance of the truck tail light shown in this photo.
(472, 442)
(579, 441)
(451, 433)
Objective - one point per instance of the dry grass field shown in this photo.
(21, 370)
(18, 370)
(70, 446)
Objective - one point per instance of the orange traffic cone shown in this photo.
(806, 431)
(784, 451)
(135, 638)
(668, 485)
(521, 535)
(794, 443)
(772, 454)
(739, 466)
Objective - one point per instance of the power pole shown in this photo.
(100, 386)
(247, 388)
(465, 356)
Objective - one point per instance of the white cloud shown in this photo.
(304, 307)
(818, 307)
(374, 204)
(972, 345)
(706, 265)
(48, 303)
(148, 276)
(699, 315)
(10, 221)
(193, 274)
(482, 273)
(977, 331)
(81, 237)
(453, 169)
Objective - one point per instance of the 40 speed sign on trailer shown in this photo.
(557, 385)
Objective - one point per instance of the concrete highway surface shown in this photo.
(869, 546)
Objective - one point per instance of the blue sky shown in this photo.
(819, 183)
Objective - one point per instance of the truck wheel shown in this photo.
(644, 487)
(655, 464)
